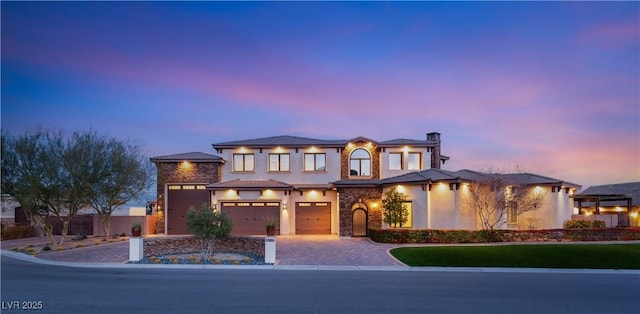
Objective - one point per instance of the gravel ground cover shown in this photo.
(196, 258)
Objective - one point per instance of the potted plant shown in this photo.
(271, 223)
(136, 229)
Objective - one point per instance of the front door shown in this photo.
(359, 222)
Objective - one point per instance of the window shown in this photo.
(278, 162)
(415, 160)
(395, 161)
(512, 213)
(315, 162)
(360, 163)
(409, 223)
(243, 162)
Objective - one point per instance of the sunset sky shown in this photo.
(551, 87)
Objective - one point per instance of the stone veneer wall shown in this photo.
(175, 172)
(375, 160)
(185, 245)
(351, 196)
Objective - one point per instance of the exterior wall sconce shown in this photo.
(284, 206)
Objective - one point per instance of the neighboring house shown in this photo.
(616, 204)
(8, 210)
(331, 186)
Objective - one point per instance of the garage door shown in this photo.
(313, 218)
(179, 199)
(249, 217)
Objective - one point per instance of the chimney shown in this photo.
(434, 137)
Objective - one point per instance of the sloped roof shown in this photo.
(357, 183)
(465, 175)
(630, 189)
(429, 175)
(296, 141)
(362, 139)
(532, 179)
(406, 142)
(283, 140)
(250, 185)
(312, 186)
(470, 175)
(192, 156)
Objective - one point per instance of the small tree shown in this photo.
(120, 174)
(394, 210)
(208, 225)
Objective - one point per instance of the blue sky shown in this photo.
(551, 87)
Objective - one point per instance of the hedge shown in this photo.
(583, 224)
(483, 236)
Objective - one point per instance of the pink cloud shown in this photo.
(613, 35)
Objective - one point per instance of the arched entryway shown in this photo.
(360, 222)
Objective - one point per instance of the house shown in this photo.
(615, 204)
(315, 186)
(10, 211)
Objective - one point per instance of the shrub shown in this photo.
(482, 236)
(599, 224)
(577, 224)
(436, 236)
(16, 232)
(207, 225)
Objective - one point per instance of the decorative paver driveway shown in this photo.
(332, 250)
(106, 253)
(290, 250)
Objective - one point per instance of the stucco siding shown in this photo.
(296, 173)
(555, 209)
(418, 199)
(467, 218)
(443, 207)
(425, 162)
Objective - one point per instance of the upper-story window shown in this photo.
(243, 162)
(315, 162)
(415, 161)
(278, 162)
(360, 163)
(395, 161)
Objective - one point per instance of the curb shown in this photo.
(35, 260)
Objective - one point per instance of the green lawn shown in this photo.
(608, 256)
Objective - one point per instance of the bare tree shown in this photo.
(121, 174)
(494, 198)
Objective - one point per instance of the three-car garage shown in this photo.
(249, 216)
